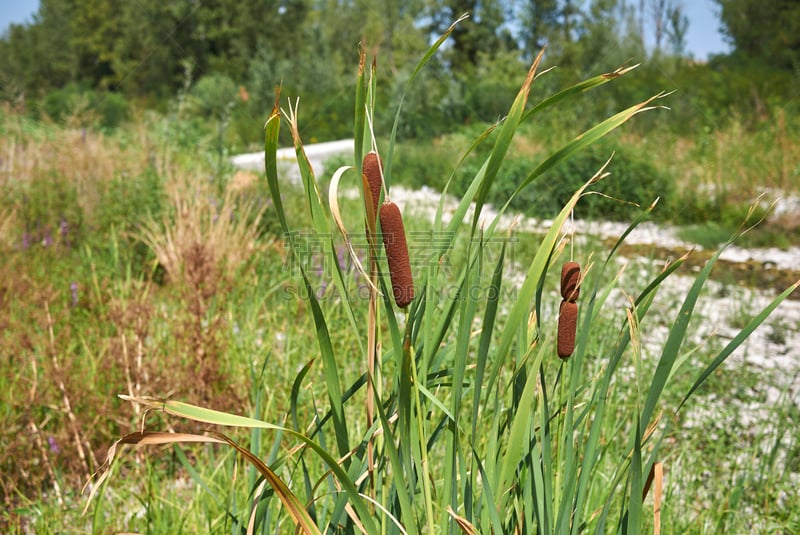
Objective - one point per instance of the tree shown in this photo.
(95, 26)
(768, 32)
(480, 33)
(659, 11)
(41, 55)
(677, 26)
(599, 45)
(540, 23)
(151, 55)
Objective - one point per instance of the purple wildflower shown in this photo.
(343, 258)
(321, 292)
(319, 264)
(73, 288)
(53, 445)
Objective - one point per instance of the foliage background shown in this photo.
(112, 53)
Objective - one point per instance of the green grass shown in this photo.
(474, 419)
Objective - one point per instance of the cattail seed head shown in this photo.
(567, 327)
(570, 281)
(372, 169)
(394, 241)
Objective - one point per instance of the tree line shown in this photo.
(146, 50)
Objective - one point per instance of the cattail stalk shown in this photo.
(373, 176)
(567, 327)
(372, 180)
(394, 241)
(570, 281)
(568, 311)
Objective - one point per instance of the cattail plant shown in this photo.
(372, 181)
(394, 240)
(372, 169)
(467, 429)
(568, 311)
(570, 281)
(567, 327)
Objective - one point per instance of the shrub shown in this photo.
(633, 180)
(75, 102)
(427, 163)
(112, 108)
(213, 96)
(633, 184)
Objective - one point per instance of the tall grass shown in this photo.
(202, 243)
(87, 310)
(455, 414)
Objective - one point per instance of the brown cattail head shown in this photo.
(567, 327)
(372, 168)
(394, 240)
(570, 281)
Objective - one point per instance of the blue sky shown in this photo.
(16, 11)
(703, 37)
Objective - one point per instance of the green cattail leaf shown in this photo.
(321, 216)
(295, 394)
(674, 341)
(387, 171)
(577, 89)
(487, 329)
(403, 493)
(302, 520)
(634, 513)
(330, 370)
(519, 436)
(360, 121)
(504, 137)
(737, 340)
(272, 129)
(546, 439)
(640, 217)
(202, 414)
(468, 309)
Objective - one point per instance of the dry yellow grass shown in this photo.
(84, 158)
(8, 223)
(222, 235)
